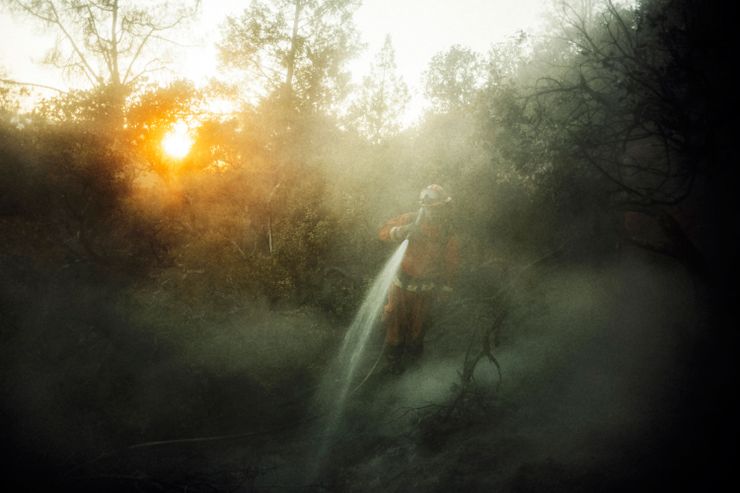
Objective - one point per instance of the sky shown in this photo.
(421, 28)
(418, 29)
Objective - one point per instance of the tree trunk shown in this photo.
(293, 46)
(115, 71)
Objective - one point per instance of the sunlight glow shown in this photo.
(177, 142)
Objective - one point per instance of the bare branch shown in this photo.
(136, 55)
(176, 43)
(98, 38)
(32, 84)
(71, 40)
(34, 13)
(148, 70)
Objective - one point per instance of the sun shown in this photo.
(177, 142)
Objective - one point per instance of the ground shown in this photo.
(596, 394)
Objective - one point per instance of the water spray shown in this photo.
(337, 385)
(335, 388)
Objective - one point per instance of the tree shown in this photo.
(299, 46)
(382, 98)
(294, 52)
(585, 9)
(624, 116)
(107, 42)
(453, 78)
(621, 103)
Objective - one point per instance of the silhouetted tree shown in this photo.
(381, 98)
(300, 46)
(108, 42)
(453, 78)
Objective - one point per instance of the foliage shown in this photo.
(536, 141)
(453, 78)
(73, 185)
(381, 98)
(299, 45)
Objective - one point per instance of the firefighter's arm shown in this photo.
(397, 228)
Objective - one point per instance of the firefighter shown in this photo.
(426, 276)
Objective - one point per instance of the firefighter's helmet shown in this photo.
(433, 196)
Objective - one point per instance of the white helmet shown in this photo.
(433, 196)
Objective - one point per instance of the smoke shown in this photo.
(600, 362)
(593, 360)
(88, 369)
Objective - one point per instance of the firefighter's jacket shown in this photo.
(432, 257)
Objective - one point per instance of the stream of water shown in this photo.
(336, 386)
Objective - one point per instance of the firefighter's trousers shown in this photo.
(404, 318)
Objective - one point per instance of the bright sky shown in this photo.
(418, 28)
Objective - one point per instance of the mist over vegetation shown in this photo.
(165, 320)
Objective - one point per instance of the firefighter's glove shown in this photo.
(400, 233)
